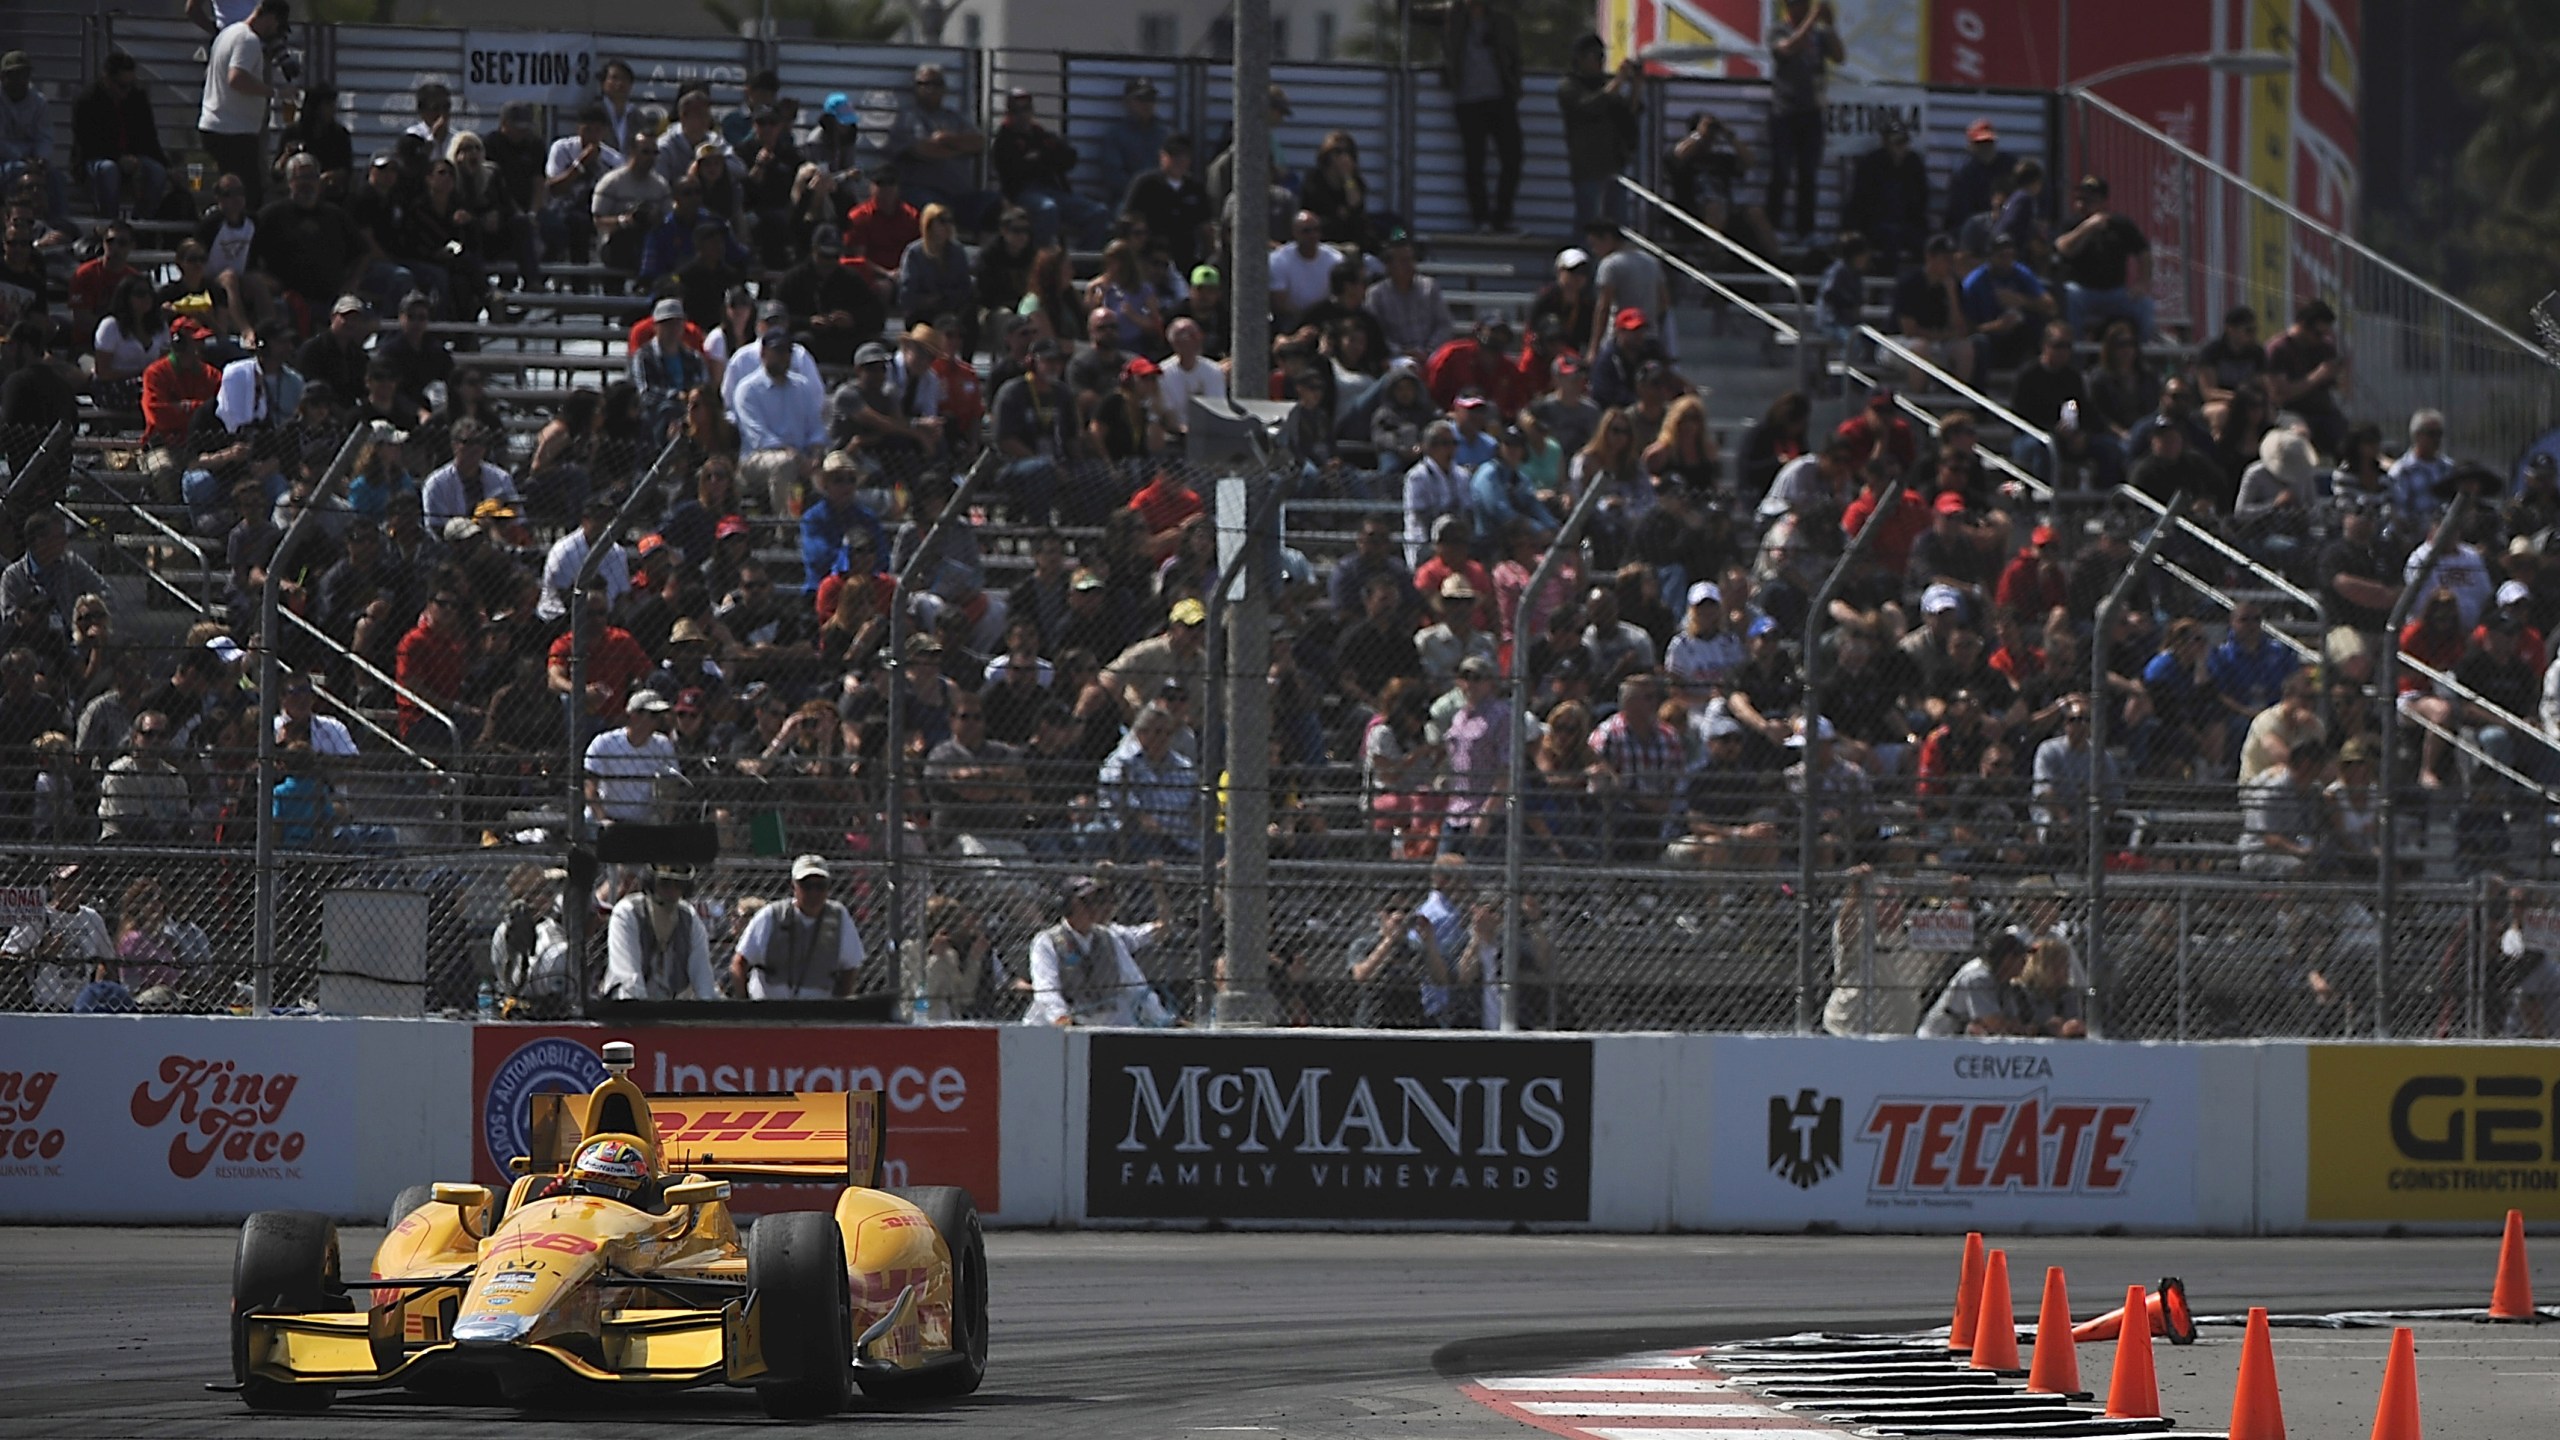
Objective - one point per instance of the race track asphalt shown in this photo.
(113, 1333)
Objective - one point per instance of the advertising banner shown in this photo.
(542, 69)
(2433, 1132)
(1337, 1128)
(175, 1117)
(1953, 1134)
(942, 1084)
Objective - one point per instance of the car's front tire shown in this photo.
(955, 1217)
(287, 1261)
(795, 1266)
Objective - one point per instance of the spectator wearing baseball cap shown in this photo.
(1628, 346)
(804, 949)
(835, 304)
(1138, 673)
(1483, 362)
(2034, 581)
(1977, 177)
(175, 389)
(1128, 146)
(1458, 638)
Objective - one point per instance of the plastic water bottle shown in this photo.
(488, 1001)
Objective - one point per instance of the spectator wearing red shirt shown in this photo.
(882, 587)
(1878, 425)
(1891, 549)
(178, 385)
(2033, 582)
(1165, 504)
(430, 666)
(878, 231)
(647, 329)
(615, 663)
(1452, 553)
(2515, 598)
(1483, 362)
(95, 282)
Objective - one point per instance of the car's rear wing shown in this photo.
(824, 1136)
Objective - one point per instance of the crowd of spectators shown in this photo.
(834, 329)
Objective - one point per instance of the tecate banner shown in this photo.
(1954, 1134)
(2433, 1132)
(170, 1117)
(942, 1084)
(1348, 1128)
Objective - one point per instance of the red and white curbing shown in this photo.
(1667, 1395)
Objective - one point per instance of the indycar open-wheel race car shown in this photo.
(530, 1294)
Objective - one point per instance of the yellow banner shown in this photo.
(2268, 163)
(2434, 1132)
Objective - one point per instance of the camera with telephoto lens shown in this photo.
(287, 62)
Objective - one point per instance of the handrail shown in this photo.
(2334, 237)
(1700, 277)
(171, 534)
(372, 671)
(1965, 392)
(1732, 246)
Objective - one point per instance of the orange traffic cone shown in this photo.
(2257, 1413)
(2133, 1390)
(2512, 1299)
(2395, 1417)
(2168, 1312)
(1968, 1295)
(2055, 1369)
(1995, 1337)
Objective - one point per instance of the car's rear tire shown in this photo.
(408, 1202)
(955, 1217)
(795, 1268)
(287, 1261)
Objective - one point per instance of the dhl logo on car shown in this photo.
(677, 1127)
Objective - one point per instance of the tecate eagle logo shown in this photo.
(549, 1065)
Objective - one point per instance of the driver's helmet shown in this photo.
(614, 1169)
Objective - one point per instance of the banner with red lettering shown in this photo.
(1951, 1134)
(941, 1082)
(177, 1118)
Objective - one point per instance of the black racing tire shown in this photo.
(795, 1266)
(955, 1217)
(288, 1261)
(407, 1203)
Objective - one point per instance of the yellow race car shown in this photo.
(613, 1260)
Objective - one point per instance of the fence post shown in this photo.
(2446, 528)
(2093, 810)
(2186, 932)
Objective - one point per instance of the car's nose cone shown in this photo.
(492, 1329)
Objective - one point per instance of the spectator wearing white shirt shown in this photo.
(1704, 655)
(1302, 270)
(781, 417)
(569, 175)
(233, 118)
(67, 943)
(262, 389)
(747, 360)
(328, 734)
(569, 555)
(2421, 470)
(454, 491)
(657, 946)
(807, 949)
(625, 765)
(1084, 969)
(1188, 373)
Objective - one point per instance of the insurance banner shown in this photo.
(1337, 1128)
(2433, 1132)
(1948, 1134)
(943, 1084)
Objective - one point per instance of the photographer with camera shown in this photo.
(233, 121)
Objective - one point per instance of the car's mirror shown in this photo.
(462, 1197)
(697, 1192)
(520, 1165)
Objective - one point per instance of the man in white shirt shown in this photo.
(1704, 655)
(1627, 278)
(327, 733)
(1188, 373)
(454, 491)
(233, 118)
(805, 950)
(1972, 1003)
(746, 360)
(625, 765)
(781, 417)
(656, 945)
(569, 553)
(569, 175)
(1084, 969)
(262, 389)
(67, 943)
(1302, 270)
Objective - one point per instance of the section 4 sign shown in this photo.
(1955, 1134)
(1337, 1128)
(2433, 1132)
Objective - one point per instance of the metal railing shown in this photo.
(1802, 333)
(2218, 240)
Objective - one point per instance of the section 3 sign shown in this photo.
(2433, 1132)
(1955, 1134)
(1332, 1128)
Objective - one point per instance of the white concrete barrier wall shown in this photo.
(205, 1119)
